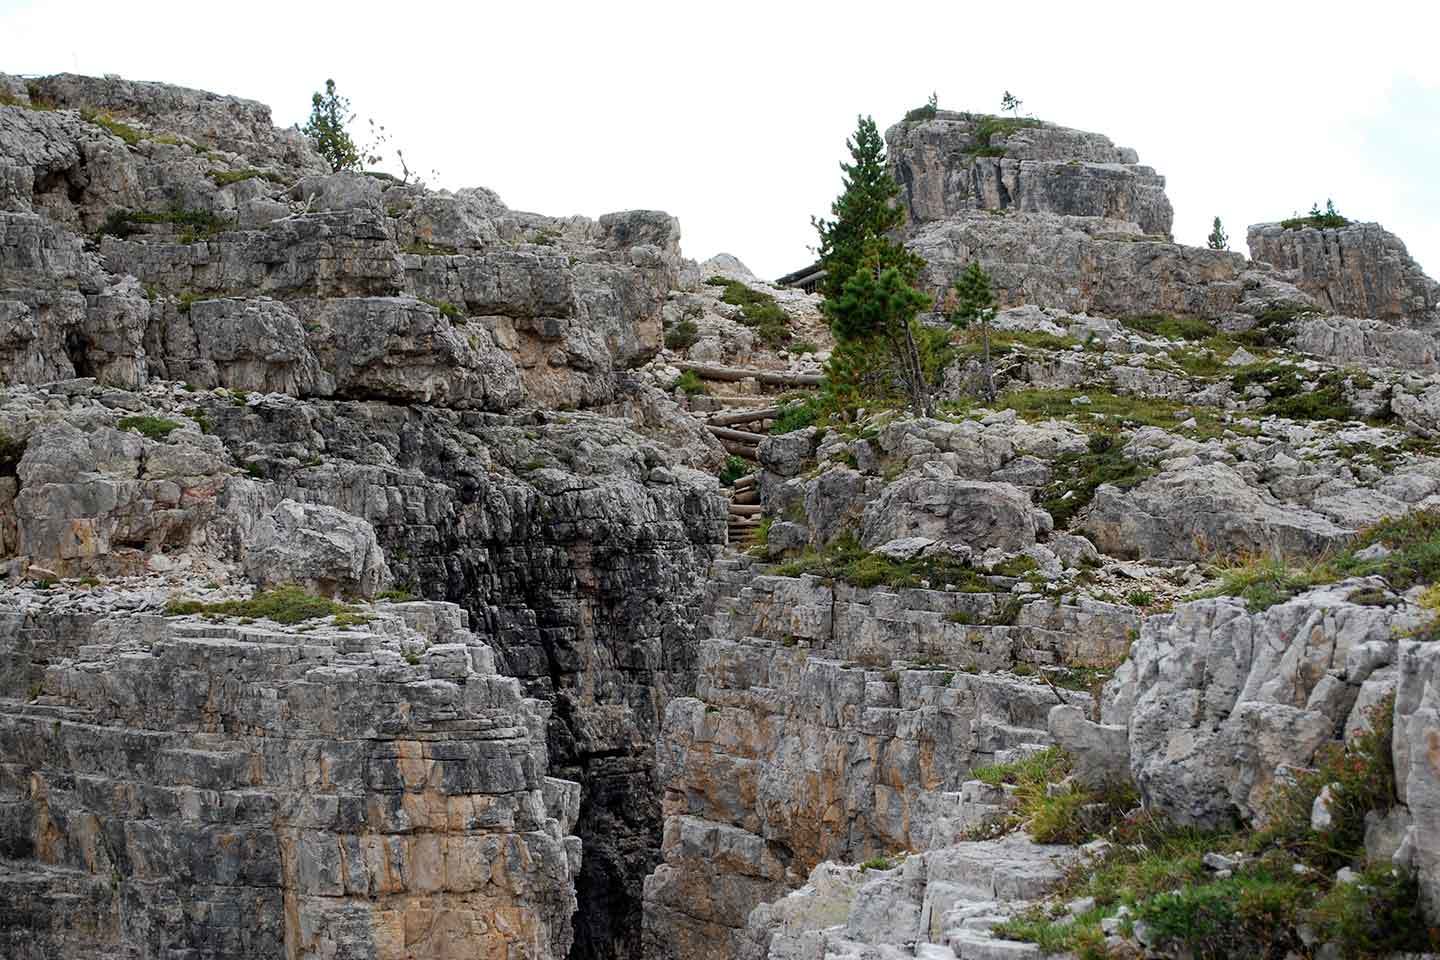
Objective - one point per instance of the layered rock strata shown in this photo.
(1358, 270)
(226, 365)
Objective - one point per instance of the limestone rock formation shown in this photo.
(256, 791)
(1256, 691)
(224, 365)
(528, 706)
(1358, 270)
(954, 162)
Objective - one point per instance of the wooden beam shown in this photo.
(745, 496)
(739, 436)
(744, 451)
(745, 482)
(734, 374)
(744, 416)
(746, 510)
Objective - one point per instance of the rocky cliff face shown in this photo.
(954, 163)
(505, 696)
(227, 366)
(1033, 572)
(1359, 270)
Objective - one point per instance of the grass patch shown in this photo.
(1264, 581)
(1119, 410)
(844, 559)
(682, 335)
(447, 309)
(690, 384)
(124, 131)
(1291, 397)
(288, 605)
(1171, 327)
(224, 178)
(1078, 475)
(988, 126)
(155, 428)
(1413, 542)
(426, 249)
(193, 223)
(1053, 810)
(758, 310)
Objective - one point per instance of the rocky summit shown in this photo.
(392, 574)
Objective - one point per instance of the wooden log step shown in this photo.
(750, 495)
(745, 482)
(746, 509)
(739, 436)
(735, 374)
(744, 416)
(742, 450)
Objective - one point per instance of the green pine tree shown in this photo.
(329, 116)
(869, 277)
(1218, 239)
(975, 303)
(865, 213)
(877, 305)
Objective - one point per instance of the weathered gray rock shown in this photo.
(1217, 699)
(324, 550)
(1346, 340)
(1358, 270)
(1100, 753)
(254, 791)
(1196, 511)
(946, 165)
(961, 512)
(1417, 762)
(1080, 264)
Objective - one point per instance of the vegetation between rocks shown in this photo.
(286, 604)
(1320, 219)
(1409, 554)
(1227, 893)
(758, 310)
(1079, 475)
(155, 428)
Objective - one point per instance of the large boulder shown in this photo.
(974, 513)
(1417, 761)
(1193, 512)
(1217, 700)
(320, 548)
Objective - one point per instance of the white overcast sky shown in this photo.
(733, 116)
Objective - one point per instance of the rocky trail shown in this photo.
(371, 590)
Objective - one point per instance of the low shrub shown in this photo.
(844, 559)
(224, 178)
(1078, 475)
(1170, 327)
(156, 428)
(735, 468)
(797, 416)
(690, 383)
(682, 335)
(447, 309)
(288, 605)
